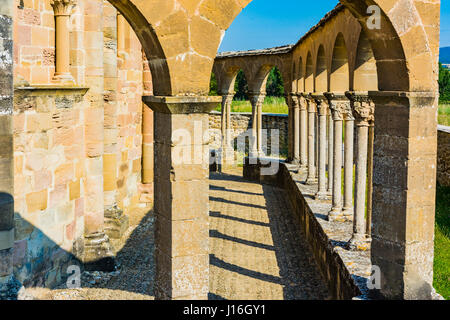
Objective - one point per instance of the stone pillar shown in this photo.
(370, 181)
(303, 132)
(227, 154)
(322, 110)
(121, 35)
(116, 222)
(8, 284)
(404, 187)
(363, 111)
(147, 137)
(98, 253)
(311, 179)
(295, 128)
(290, 130)
(257, 100)
(62, 10)
(330, 152)
(338, 104)
(348, 163)
(181, 195)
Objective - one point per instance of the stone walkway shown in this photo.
(256, 251)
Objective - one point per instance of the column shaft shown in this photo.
(311, 179)
(322, 108)
(330, 153)
(303, 133)
(370, 182)
(181, 196)
(296, 128)
(348, 166)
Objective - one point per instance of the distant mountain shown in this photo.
(444, 55)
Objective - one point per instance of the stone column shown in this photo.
(303, 132)
(348, 163)
(290, 130)
(116, 222)
(338, 104)
(363, 111)
(227, 154)
(62, 10)
(404, 188)
(257, 100)
(311, 178)
(295, 128)
(147, 136)
(322, 110)
(181, 195)
(370, 181)
(121, 35)
(98, 253)
(8, 284)
(330, 152)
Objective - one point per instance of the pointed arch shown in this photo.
(339, 75)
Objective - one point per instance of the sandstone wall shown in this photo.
(443, 162)
(241, 122)
(59, 135)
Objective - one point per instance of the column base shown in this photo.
(335, 215)
(359, 242)
(322, 195)
(116, 223)
(295, 162)
(227, 157)
(63, 78)
(348, 213)
(98, 255)
(311, 181)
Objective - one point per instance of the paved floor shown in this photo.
(256, 251)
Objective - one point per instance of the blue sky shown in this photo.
(270, 23)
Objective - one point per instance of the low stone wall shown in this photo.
(346, 272)
(443, 156)
(241, 122)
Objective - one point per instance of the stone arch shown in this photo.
(309, 74)
(321, 74)
(294, 77)
(339, 75)
(365, 76)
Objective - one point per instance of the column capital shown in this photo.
(339, 105)
(295, 101)
(321, 103)
(257, 97)
(303, 103)
(363, 107)
(63, 7)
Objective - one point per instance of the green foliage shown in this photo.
(241, 87)
(442, 242)
(275, 87)
(213, 85)
(444, 84)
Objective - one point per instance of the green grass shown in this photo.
(271, 105)
(444, 114)
(442, 242)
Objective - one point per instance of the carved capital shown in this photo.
(257, 99)
(321, 104)
(294, 100)
(363, 108)
(339, 105)
(63, 7)
(312, 105)
(303, 103)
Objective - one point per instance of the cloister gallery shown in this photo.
(92, 93)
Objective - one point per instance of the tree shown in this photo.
(444, 83)
(213, 85)
(275, 87)
(241, 87)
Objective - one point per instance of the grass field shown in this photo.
(271, 105)
(444, 114)
(442, 242)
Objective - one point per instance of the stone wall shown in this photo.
(63, 134)
(241, 122)
(443, 162)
